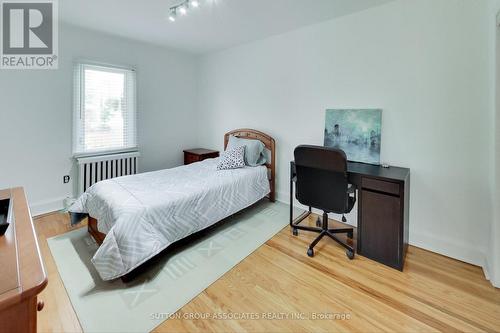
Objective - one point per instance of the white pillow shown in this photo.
(254, 150)
(232, 159)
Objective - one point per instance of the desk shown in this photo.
(383, 211)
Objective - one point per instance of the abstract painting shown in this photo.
(356, 131)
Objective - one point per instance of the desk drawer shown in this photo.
(380, 185)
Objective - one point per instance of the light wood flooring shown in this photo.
(433, 293)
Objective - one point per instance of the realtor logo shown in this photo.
(29, 34)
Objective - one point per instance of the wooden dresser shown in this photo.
(22, 275)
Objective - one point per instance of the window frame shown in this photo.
(79, 107)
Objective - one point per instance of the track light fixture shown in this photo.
(173, 15)
(182, 8)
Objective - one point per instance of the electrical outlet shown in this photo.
(66, 179)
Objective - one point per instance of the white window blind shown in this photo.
(105, 110)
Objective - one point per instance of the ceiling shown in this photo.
(215, 25)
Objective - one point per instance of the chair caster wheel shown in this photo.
(318, 223)
(350, 235)
(344, 219)
(295, 232)
(310, 252)
(350, 254)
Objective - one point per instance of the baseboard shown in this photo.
(488, 273)
(449, 248)
(487, 269)
(47, 206)
(446, 247)
(495, 283)
(352, 217)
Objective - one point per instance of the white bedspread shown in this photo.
(143, 214)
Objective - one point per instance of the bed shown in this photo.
(133, 218)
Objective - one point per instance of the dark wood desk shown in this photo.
(383, 211)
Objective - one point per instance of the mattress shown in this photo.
(143, 214)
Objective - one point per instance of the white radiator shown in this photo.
(96, 168)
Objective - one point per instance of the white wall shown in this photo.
(493, 258)
(36, 113)
(423, 62)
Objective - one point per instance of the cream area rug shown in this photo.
(167, 283)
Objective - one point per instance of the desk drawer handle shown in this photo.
(40, 305)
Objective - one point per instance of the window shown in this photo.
(105, 110)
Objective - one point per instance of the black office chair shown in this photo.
(321, 182)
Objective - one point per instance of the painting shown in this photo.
(356, 131)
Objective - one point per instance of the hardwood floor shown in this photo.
(433, 293)
(58, 314)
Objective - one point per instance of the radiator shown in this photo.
(96, 168)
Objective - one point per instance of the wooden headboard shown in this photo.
(268, 141)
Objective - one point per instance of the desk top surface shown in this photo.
(376, 171)
(200, 151)
(392, 172)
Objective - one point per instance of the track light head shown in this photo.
(195, 3)
(183, 9)
(173, 15)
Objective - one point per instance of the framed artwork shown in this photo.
(356, 131)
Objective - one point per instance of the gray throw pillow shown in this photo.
(232, 159)
(254, 150)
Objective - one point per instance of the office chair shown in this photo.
(321, 182)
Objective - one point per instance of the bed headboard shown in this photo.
(268, 141)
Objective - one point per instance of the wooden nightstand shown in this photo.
(198, 154)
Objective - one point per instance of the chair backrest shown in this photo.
(321, 178)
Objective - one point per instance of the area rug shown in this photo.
(172, 280)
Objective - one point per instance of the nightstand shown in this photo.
(198, 154)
